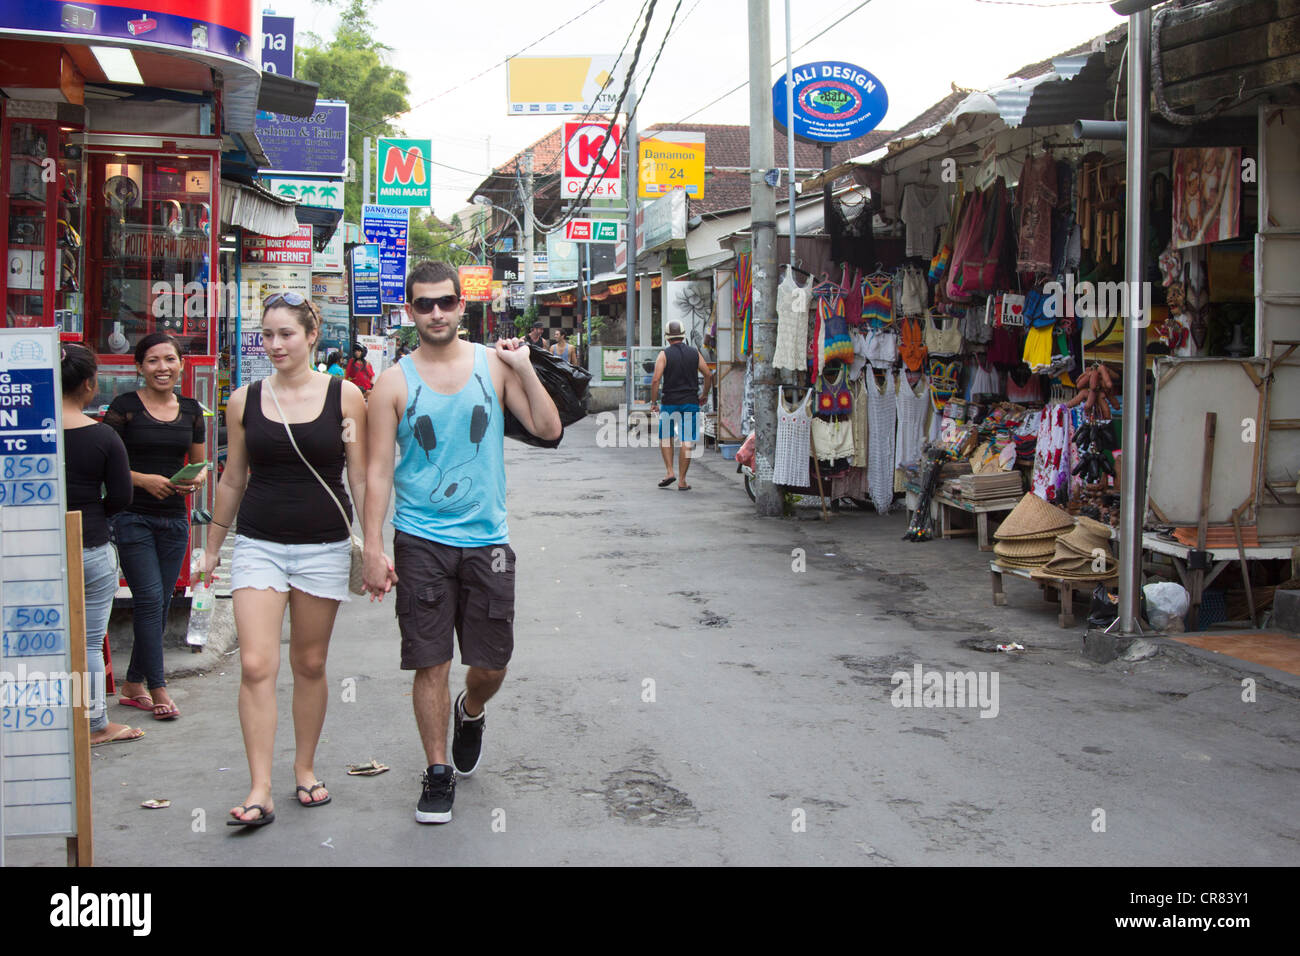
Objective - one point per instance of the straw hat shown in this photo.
(1036, 536)
(1033, 516)
(1086, 538)
(1041, 548)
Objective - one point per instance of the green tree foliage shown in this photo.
(351, 67)
(431, 239)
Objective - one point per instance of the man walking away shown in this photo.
(444, 406)
(676, 368)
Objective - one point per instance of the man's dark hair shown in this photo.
(430, 272)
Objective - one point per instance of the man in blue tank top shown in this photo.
(443, 407)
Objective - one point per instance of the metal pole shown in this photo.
(586, 293)
(789, 129)
(633, 180)
(365, 170)
(528, 229)
(763, 229)
(1133, 441)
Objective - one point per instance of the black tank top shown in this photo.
(681, 375)
(284, 502)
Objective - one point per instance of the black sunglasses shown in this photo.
(288, 298)
(424, 305)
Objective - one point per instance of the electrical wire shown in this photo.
(583, 195)
(777, 62)
(495, 66)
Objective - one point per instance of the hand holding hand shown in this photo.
(377, 574)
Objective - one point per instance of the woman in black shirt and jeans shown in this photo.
(162, 431)
(99, 484)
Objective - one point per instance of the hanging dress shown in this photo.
(883, 415)
(1051, 477)
(793, 442)
(791, 325)
(913, 402)
(836, 344)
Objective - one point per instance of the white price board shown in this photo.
(37, 687)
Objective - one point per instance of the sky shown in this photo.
(917, 48)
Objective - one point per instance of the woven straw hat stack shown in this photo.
(1081, 555)
(1027, 538)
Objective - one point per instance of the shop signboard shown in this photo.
(388, 227)
(670, 159)
(326, 193)
(404, 178)
(38, 686)
(315, 145)
(833, 102)
(476, 283)
(292, 250)
(592, 166)
(365, 280)
(228, 29)
(665, 222)
(277, 45)
(376, 347)
(561, 257)
(592, 230)
(334, 324)
(613, 364)
(329, 259)
(557, 85)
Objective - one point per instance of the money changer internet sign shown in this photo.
(404, 178)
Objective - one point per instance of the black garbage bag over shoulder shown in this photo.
(567, 386)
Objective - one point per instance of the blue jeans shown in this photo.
(151, 549)
(99, 567)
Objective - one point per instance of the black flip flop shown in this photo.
(683, 487)
(666, 482)
(309, 791)
(261, 821)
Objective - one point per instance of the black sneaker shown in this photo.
(437, 796)
(467, 741)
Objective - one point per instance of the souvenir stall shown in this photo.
(1008, 306)
(110, 160)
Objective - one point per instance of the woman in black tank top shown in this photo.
(292, 542)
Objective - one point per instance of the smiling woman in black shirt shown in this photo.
(162, 431)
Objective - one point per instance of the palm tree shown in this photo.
(287, 189)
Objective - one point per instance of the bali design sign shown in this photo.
(833, 102)
(404, 172)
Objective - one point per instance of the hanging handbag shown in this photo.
(356, 583)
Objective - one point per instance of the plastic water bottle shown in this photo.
(202, 599)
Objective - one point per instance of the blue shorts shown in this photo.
(683, 422)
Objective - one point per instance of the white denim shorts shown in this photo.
(321, 570)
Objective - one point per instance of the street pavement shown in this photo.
(682, 694)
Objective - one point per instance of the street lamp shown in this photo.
(481, 200)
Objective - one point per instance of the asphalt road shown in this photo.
(680, 695)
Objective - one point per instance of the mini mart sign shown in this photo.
(592, 165)
(404, 178)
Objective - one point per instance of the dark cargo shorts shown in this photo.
(441, 588)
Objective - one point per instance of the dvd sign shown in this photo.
(590, 154)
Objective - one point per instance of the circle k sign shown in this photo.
(590, 153)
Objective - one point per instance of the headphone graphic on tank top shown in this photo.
(451, 494)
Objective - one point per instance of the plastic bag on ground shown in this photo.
(567, 386)
(1165, 601)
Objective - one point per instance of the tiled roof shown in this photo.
(725, 146)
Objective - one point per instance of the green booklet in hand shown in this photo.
(190, 472)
